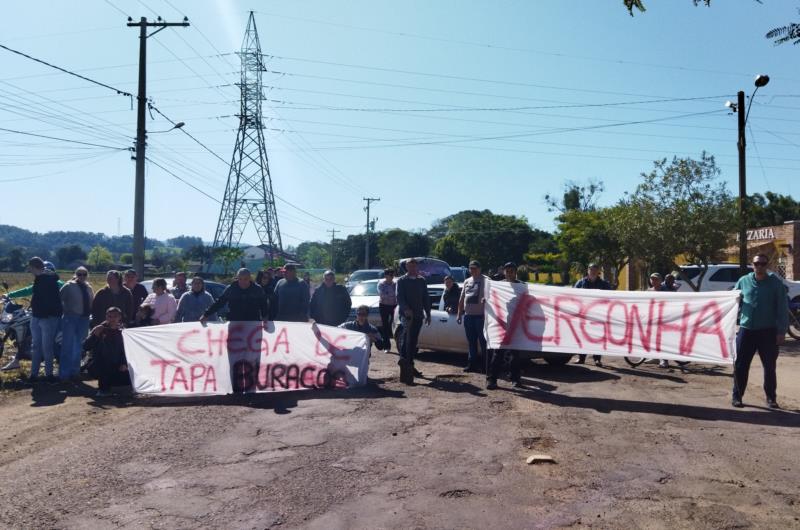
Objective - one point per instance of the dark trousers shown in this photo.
(748, 342)
(411, 329)
(582, 357)
(387, 317)
(473, 328)
(109, 376)
(504, 360)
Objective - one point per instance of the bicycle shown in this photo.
(636, 361)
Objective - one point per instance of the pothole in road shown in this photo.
(455, 494)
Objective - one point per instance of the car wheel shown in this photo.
(558, 359)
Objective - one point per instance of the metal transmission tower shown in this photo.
(248, 194)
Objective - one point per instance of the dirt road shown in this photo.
(634, 448)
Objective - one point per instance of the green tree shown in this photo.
(14, 260)
(396, 244)
(314, 255)
(680, 210)
(490, 238)
(228, 256)
(68, 254)
(99, 258)
(126, 259)
(771, 209)
(588, 236)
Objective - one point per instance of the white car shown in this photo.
(723, 277)
(447, 335)
(366, 293)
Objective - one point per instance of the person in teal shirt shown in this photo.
(763, 321)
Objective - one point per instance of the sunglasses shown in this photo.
(760, 263)
(83, 274)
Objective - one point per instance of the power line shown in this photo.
(70, 72)
(64, 139)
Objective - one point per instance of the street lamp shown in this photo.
(739, 108)
(178, 125)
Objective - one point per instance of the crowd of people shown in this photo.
(278, 294)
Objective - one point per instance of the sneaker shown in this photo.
(416, 372)
(771, 403)
(663, 363)
(518, 384)
(469, 368)
(598, 363)
(102, 394)
(737, 402)
(491, 384)
(580, 361)
(13, 364)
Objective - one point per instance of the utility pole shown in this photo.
(741, 144)
(141, 136)
(369, 200)
(333, 240)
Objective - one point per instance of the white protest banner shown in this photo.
(659, 325)
(223, 358)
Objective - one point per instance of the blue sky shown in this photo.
(434, 107)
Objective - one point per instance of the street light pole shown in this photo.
(742, 185)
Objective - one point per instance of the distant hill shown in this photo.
(13, 236)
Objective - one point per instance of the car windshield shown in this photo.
(365, 289)
(458, 274)
(433, 270)
(690, 272)
(360, 276)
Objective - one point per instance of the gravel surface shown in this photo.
(633, 448)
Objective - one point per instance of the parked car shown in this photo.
(432, 269)
(362, 275)
(459, 274)
(366, 293)
(447, 335)
(723, 277)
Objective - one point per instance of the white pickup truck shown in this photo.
(723, 277)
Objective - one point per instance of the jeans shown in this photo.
(43, 335)
(473, 327)
(748, 342)
(387, 317)
(74, 330)
(411, 329)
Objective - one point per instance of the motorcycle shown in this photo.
(15, 330)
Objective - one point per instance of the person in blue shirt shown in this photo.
(592, 280)
(763, 321)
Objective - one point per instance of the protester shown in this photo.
(763, 321)
(114, 294)
(143, 317)
(669, 284)
(387, 302)
(26, 292)
(108, 363)
(451, 295)
(592, 280)
(362, 324)
(498, 276)
(292, 297)
(194, 304)
(471, 305)
(46, 316)
(138, 291)
(179, 286)
(246, 301)
(267, 283)
(330, 303)
(163, 303)
(76, 302)
(414, 301)
(656, 282)
(501, 357)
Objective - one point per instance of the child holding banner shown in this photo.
(108, 361)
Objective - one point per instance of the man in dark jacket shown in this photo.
(331, 302)
(47, 311)
(108, 363)
(114, 294)
(291, 297)
(138, 291)
(592, 280)
(413, 300)
(246, 301)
